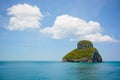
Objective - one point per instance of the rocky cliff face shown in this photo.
(84, 45)
(85, 52)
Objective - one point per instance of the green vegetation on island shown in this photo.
(85, 52)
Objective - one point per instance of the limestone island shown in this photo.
(85, 52)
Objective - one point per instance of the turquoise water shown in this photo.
(43, 70)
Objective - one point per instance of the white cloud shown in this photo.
(24, 16)
(98, 37)
(76, 28)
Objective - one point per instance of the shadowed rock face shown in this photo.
(85, 52)
(84, 44)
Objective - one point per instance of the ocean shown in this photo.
(55, 70)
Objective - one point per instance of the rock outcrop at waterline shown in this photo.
(85, 52)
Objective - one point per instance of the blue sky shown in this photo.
(47, 30)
